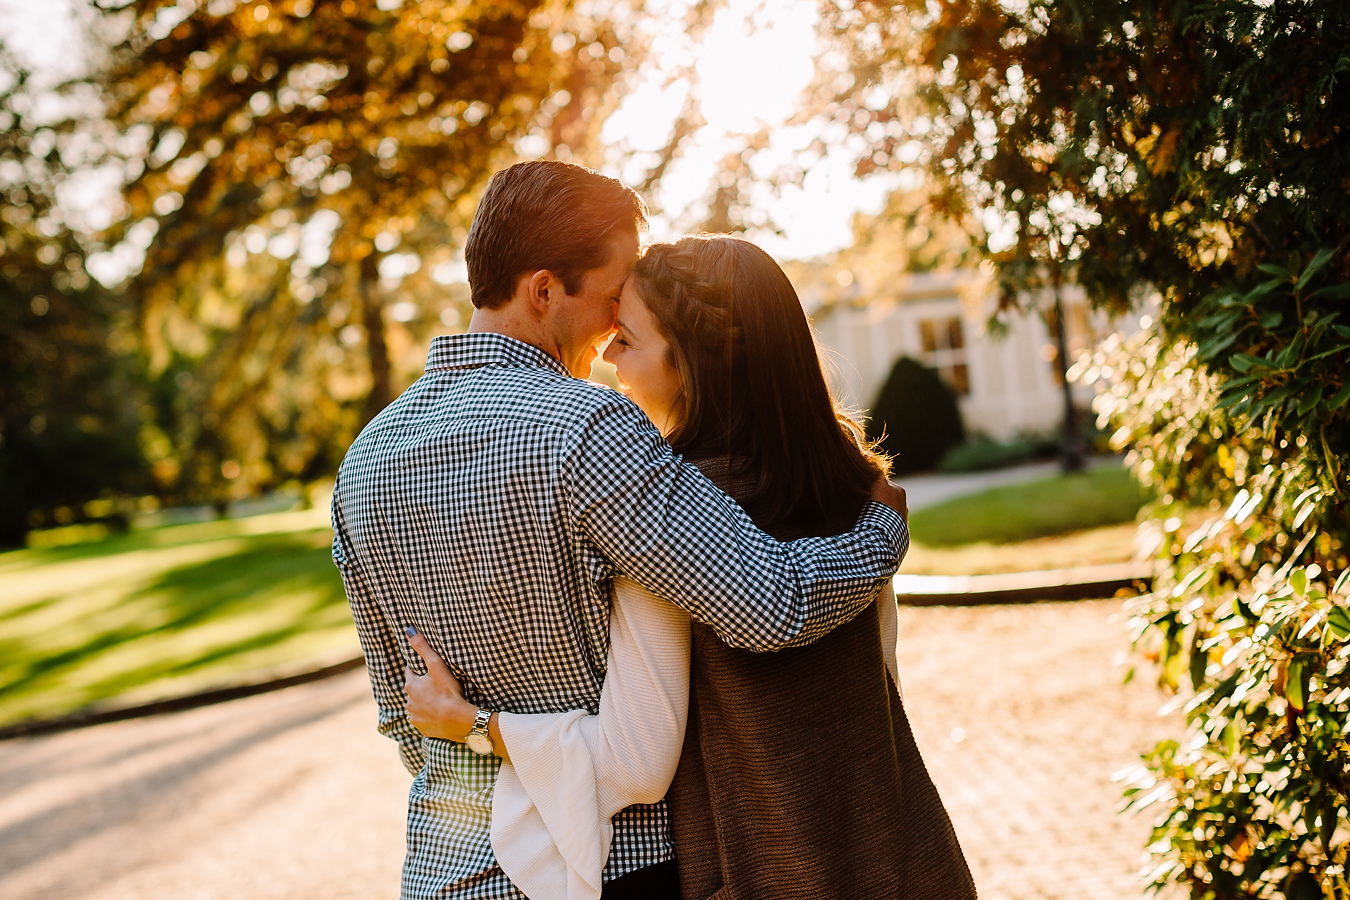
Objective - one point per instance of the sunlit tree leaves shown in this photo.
(300, 177)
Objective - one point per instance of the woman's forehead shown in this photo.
(633, 314)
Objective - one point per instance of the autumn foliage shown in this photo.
(296, 180)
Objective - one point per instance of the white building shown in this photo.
(1008, 383)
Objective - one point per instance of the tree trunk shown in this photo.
(377, 348)
(1072, 459)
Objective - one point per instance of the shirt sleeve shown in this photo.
(889, 618)
(382, 643)
(570, 773)
(659, 521)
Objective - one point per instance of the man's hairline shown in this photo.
(609, 258)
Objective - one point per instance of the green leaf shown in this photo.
(1331, 460)
(1245, 362)
(1309, 399)
(1332, 292)
(1199, 662)
(1290, 352)
(1342, 581)
(1278, 271)
(1270, 318)
(1233, 384)
(1220, 321)
(1320, 259)
(1324, 353)
(1217, 345)
(1339, 620)
(1338, 399)
(1262, 289)
(1275, 398)
(1299, 580)
(1293, 684)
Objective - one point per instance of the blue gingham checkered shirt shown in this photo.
(490, 506)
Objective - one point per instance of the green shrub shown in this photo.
(916, 417)
(983, 452)
(1251, 609)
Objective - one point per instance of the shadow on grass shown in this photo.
(230, 606)
(27, 609)
(163, 536)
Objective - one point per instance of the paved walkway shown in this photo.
(1044, 722)
(292, 795)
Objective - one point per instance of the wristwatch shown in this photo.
(479, 740)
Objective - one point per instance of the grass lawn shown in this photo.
(166, 611)
(1023, 512)
(170, 610)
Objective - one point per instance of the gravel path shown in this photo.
(293, 795)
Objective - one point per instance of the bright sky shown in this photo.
(747, 76)
(752, 67)
(42, 33)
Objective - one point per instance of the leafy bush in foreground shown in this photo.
(1196, 150)
(1251, 609)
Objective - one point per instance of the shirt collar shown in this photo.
(467, 351)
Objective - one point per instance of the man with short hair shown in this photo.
(490, 506)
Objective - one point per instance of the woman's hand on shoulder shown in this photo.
(892, 495)
(436, 704)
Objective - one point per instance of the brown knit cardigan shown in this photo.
(800, 777)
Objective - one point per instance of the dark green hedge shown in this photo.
(915, 417)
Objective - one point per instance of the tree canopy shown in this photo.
(298, 179)
(294, 183)
(1138, 143)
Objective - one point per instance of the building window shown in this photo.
(944, 348)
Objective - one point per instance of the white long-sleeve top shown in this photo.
(571, 772)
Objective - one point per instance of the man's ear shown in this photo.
(538, 289)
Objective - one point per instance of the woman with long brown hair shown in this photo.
(798, 775)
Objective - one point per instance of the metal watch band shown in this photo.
(478, 739)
